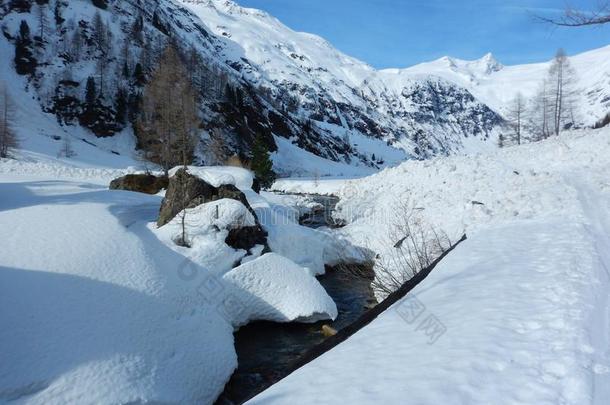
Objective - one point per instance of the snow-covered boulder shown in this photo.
(220, 175)
(274, 288)
(226, 214)
(187, 190)
(220, 234)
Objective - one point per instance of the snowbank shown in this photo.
(468, 194)
(293, 161)
(326, 186)
(516, 314)
(274, 288)
(100, 306)
(206, 233)
(95, 308)
(310, 248)
(500, 321)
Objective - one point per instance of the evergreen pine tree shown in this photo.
(103, 4)
(120, 105)
(134, 102)
(138, 75)
(261, 165)
(239, 98)
(90, 93)
(57, 12)
(25, 63)
(229, 94)
(21, 6)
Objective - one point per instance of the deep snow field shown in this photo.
(517, 314)
(100, 306)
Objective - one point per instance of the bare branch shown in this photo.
(577, 18)
(412, 245)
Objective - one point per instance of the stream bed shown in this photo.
(265, 350)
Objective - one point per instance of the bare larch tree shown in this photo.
(66, 149)
(169, 120)
(8, 138)
(540, 112)
(516, 115)
(561, 79)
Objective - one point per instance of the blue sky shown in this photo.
(400, 33)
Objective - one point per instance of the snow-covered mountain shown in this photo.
(424, 116)
(292, 86)
(303, 95)
(496, 85)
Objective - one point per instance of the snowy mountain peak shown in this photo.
(446, 61)
(489, 64)
(229, 7)
(484, 66)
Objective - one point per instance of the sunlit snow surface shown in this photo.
(518, 314)
(100, 306)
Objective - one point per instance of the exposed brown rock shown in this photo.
(188, 191)
(141, 183)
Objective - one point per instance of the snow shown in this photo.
(520, 311)
(515, 321)
(345, 97)
(310, 248)
(290, 160)
(100, 306)
(217, 176)
(94, 302)
(274, 288)
(206, 233)
(36, 130)
(275, 57)
(512, 184)
(252, 29)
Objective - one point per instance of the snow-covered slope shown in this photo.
(497, 85)
(517, 314)
(425, 117)
(295, 86)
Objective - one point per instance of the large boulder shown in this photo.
(141, 183)
(188, 191)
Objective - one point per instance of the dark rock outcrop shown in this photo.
(184, 191)
(188, 191)
(247, 237)
(256, 185)
(141, 183)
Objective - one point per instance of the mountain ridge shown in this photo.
(295, 86)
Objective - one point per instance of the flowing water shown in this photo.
(265, 350)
